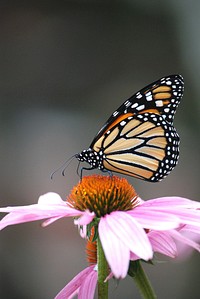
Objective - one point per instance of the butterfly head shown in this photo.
(92, 157)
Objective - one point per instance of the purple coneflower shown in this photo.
(123, 227)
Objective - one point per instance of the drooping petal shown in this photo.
(85, 218)
(50, 221)
(116, 252)
(192, 229)
(134, 257)
(74, 285)
(82, 231)
(184, 239)
(163, 243)
(131, 233)
(87, 288)
(121, 234)
(191, 233)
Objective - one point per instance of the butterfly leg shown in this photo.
(108, 171)
(81, 171)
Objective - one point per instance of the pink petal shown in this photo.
(50, 221)
(110, 275)
(73, 286)
(87, 288)
(47, 201)
(119, 261)
(16, 218)
(51, 198)
(187, 216)
(184, 210)
(172, 201)
(179, 237)
(83, 231)
(85, 218)
(191, 228)
(121, 234)
(50, 206)
(191, 233)
(163, 243)
(134, 257)
(131, 233)
(153, 219)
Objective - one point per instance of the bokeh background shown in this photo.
(65, 66)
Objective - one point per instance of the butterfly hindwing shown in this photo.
(144, 146)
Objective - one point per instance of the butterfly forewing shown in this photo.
(160, 97)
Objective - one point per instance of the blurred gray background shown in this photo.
(65, 66)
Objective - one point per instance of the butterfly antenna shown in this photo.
(67, 163)
(63, 166)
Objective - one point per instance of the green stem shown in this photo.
(102, 272)
(137, 273)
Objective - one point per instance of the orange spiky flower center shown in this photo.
(91, 248)
(103, 195)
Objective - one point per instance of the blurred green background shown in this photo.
(65, 66)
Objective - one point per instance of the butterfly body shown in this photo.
(139, 138)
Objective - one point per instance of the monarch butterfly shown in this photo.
(139, 138)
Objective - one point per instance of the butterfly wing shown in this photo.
(144, 146)
(162, 97)
(139, 138)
